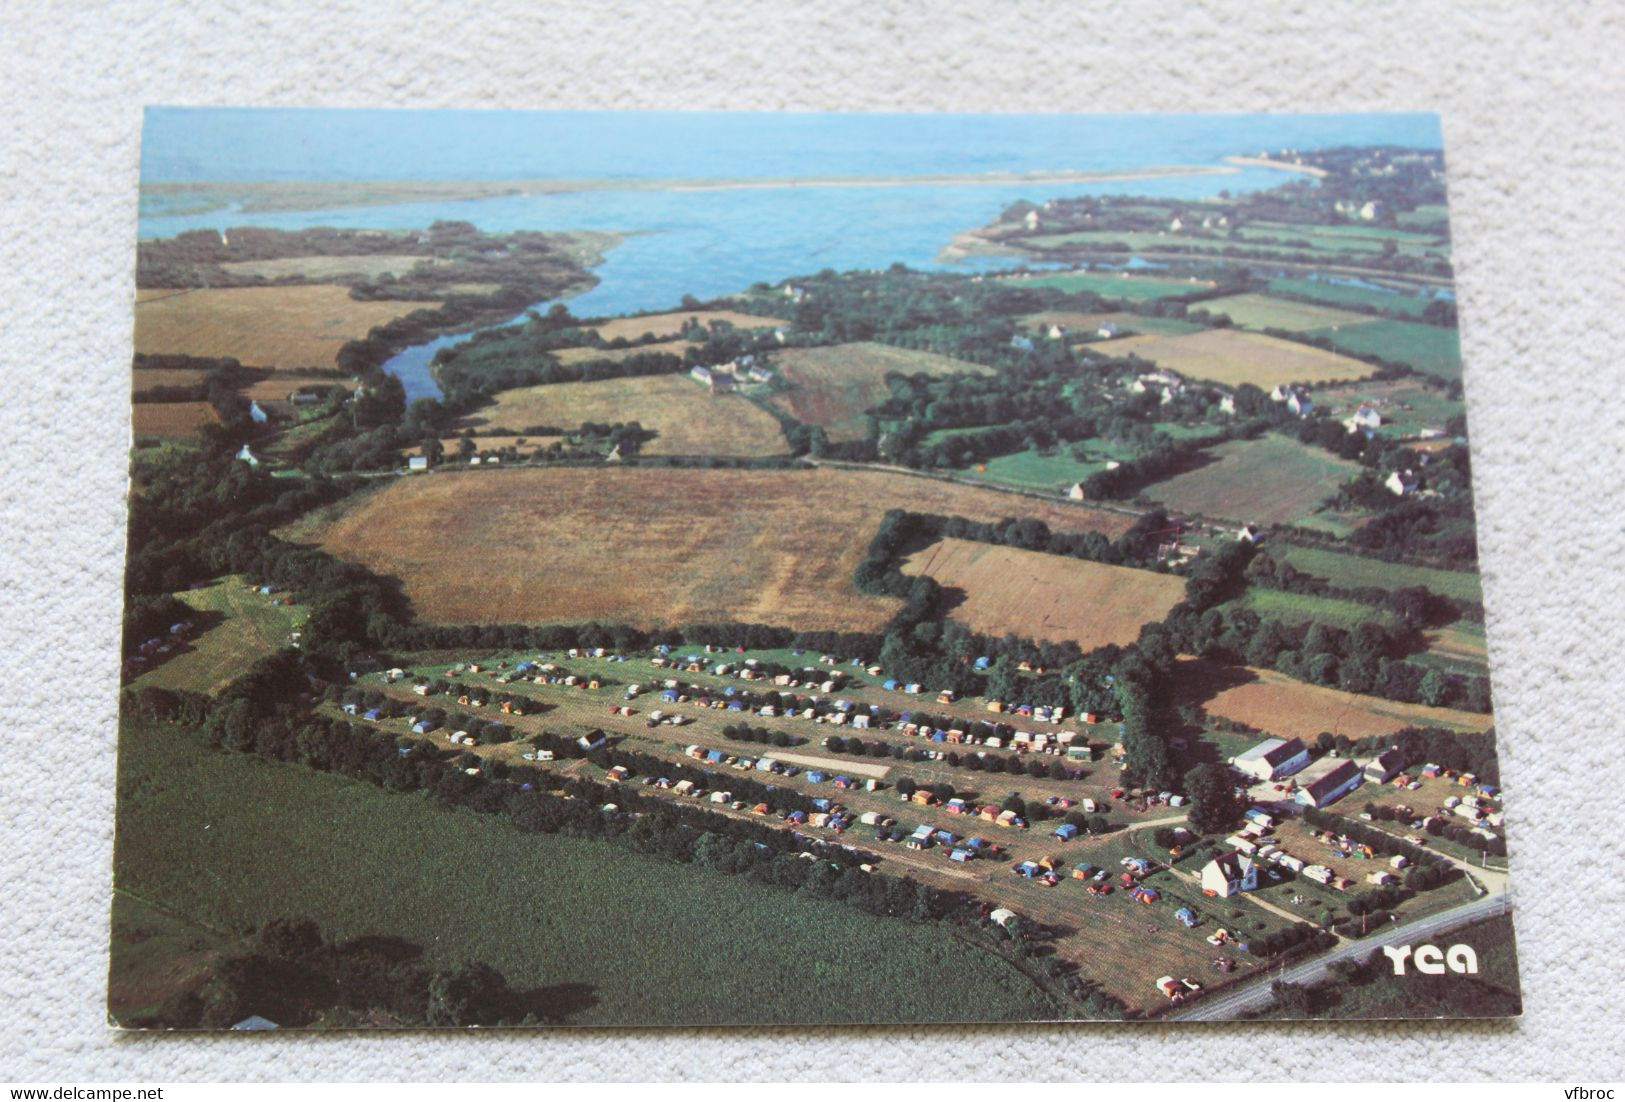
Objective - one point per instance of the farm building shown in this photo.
(1229, 875)
(1385, 766)
(1273, 759)
(1075, 492)
(417, 463)
(1332, 785)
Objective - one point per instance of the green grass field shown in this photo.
(1429, 348)
(1271, 480)
(1272, 604)
(1354, 571)
(1430, 217)
(251, 628)
(1112, 285)
(1337, 294)
(228, 841)
(1029, 470)
(1262, 312)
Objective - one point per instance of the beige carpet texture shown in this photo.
(1531, 100)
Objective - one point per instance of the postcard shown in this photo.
(600, 569)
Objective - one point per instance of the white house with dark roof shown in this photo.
(1331, 785)
(1273, 759)
(1229, 874)
(1385, 766)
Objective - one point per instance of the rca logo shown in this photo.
(1430, 961)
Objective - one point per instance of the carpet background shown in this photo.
(1526, 96)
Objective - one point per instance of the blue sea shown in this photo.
(714, 242)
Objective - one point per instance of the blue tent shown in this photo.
(1066, 832)
(983, 662)
(889, 683)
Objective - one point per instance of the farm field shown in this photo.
(587, 354)
(1252, 311)
(1356, 571)
(537, 907)
(1231, 357)
(249, 628)
(171, 418)
(650, 545)
(1432, 349)
(280, 327)
(1085, 325)
(1335, 231)
(1457, 648)
(280, 386)
(145, 378)
(1341, 294)
(1279, 705)
(1299, 608)
(670, 324)
(1116, 285)
(832, 386)
(690, 419)
(1053, 597)
(1270, 480)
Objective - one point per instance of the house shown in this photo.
(760, 374)
(1384, 766)
(1031, 220)
(1299, 402)
(247, 456)
(1056, 331)
(1227, 404)
(1365, 419)
(1402, 482)
(1273, 759)
(1251, 533)
(1075, 492)
(1332, 785)
(417, 463)
(1107, 331)
(1229, 874)
(1021, 343)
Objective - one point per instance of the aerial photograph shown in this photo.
(708, 569)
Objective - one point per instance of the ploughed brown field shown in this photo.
(1281, 706)
(171, 418)
(689, 418)
(669, 325)
(1011, 591)
(281, 327)
(832, 386)
(651, 546)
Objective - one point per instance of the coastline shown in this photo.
(1283, 166)
(249, 197)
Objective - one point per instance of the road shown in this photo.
(1255, 995)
